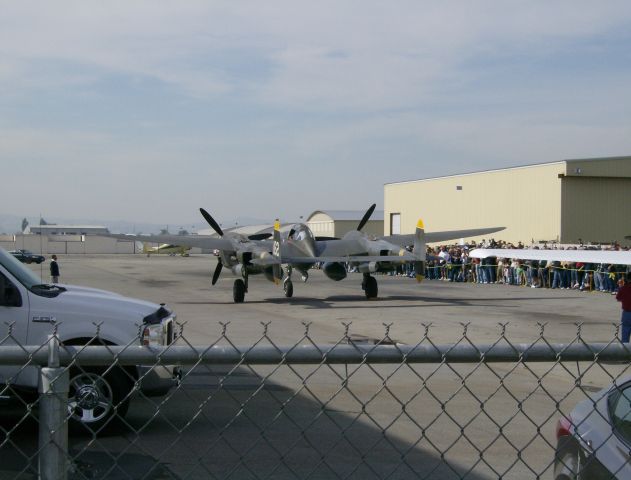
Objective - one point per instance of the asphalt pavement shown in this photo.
(435, 421)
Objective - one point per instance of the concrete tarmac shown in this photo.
(396, 421)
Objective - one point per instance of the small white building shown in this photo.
(335, 223)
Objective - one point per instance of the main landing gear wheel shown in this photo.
(238, 291)
(288, 287)
(370, 287)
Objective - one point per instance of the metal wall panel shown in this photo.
(323, 226)
(600, 167)
(525, 200)
(596, 210)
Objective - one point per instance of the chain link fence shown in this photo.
(356, 408)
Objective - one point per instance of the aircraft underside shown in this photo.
(240, 286)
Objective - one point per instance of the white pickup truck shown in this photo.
(32, 308)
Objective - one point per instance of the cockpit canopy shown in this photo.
(301, 238)
(300, 232)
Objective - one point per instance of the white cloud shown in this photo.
(373, 85)
(390, 53)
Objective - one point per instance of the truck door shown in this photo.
(14, 307)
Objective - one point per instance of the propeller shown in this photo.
(217, 271)
(215, 226)
(211, 221)
(366, 217)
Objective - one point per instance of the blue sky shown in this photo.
(147, 110)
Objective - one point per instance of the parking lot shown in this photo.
(435, 421)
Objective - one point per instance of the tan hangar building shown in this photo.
(564, 201)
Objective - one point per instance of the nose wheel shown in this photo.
(238, 291)
(288, 285)
(288, 288)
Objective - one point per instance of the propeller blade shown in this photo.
(211, 221)
(217, 271)
(366, 216)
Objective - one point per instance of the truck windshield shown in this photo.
(24, 275)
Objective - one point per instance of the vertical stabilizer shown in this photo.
(277, 270)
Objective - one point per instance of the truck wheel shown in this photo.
(96, 398)
(371, 289)
(238, 291)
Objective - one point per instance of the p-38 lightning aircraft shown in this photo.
(298, 249)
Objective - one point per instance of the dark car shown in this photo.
(26, 256)
(594, 440)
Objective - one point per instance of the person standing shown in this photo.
(54, 269)
(624, 296)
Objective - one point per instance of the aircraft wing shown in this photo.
(432, 237)
(586, 256)
(408, 257)
(200, 241)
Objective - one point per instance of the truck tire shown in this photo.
(97, 399)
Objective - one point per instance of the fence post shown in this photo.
(53, 414)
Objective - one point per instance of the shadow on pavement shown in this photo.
(243, 426)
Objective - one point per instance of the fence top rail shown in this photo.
(316, 354)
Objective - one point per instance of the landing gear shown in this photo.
(369, 286)
(288, 287)
(238, 291)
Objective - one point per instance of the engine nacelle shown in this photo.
(269, 274)
(368, 267)
(334, 270)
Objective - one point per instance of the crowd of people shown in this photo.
(453, 264)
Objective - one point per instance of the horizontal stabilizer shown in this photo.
(433, 237)
(407, 257)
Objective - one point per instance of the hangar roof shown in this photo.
(586, 167)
